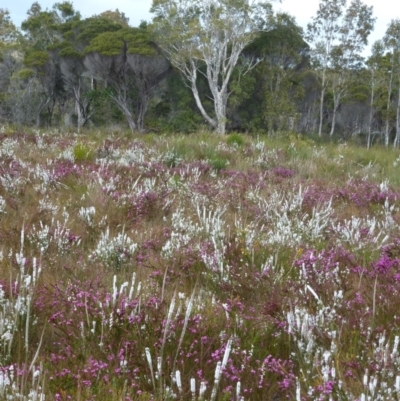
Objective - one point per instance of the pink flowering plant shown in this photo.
(197, 268)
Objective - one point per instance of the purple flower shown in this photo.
(384, 264)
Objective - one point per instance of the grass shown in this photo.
(235, 139)
(197, 267)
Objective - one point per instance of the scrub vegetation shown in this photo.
(197, 267)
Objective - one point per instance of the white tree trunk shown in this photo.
(371, 111)
(336, 103)
(220, 31)
(397, 139)
(220, 112)
(128, 116)
(191, 74)
(387, 110)
(39, 111)
(78, 109)
(321, 103)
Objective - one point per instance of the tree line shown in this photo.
(231, 65)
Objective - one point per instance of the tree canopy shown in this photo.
(228, 64)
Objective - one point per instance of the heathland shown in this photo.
(197, 267)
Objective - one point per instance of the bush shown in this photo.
(218, 163)
(235, 139)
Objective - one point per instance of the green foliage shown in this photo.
(116, 17)
(24, 74)
(285, 38)
(8, 31)
(235, 139)
(66, 10)
(91, 27)
(175, 110)
(280, 110)
(218, 163)
(41, 27)
(82, 152)
(136, 40)
(359, 92)
(242, 89)
(216, 159)
(70, 52)
(36, 59)
(268, 95)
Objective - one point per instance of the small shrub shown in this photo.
(235, 139)
(172, 159)
(218, 163)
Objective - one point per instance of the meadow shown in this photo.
(197, 267)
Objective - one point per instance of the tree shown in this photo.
(47, 73)
(41, 27)
(148, 71)
(72, 69)
(9, 56)
(77, 35)
(131, 65)
(8, 32)
(42, 33)
(322, 33)
(282, 54)
(210, 34)
(356, 26)
(116, 16)
(9, 41)
(339, 35)
(374, 66)
(391, 41)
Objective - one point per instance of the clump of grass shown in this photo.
(235, 139)
(83, 152)
(218, 163)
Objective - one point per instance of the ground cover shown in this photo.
(197, 268)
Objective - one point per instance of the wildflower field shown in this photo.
(197, 267)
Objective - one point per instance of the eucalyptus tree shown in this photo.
(391, 41)
(376, 70)
(356, 25)
(131, 65)
(323, 32)
(207, 37)
(338, 36)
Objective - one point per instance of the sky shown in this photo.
(137, 10)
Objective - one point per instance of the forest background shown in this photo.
(60, 69)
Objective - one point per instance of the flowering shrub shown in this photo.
(114, 251)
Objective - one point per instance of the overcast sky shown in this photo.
(137, 10)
